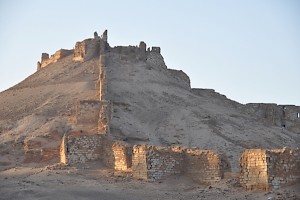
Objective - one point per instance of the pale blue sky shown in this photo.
(247, 50)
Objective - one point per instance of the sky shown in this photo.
(246, 50)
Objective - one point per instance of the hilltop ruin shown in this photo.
(122, 106)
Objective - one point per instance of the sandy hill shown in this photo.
(151, 104)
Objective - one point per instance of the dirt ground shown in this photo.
(93, 181)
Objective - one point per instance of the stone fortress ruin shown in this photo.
(260, 169)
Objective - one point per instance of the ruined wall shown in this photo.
(203, 166)
(86, 49)
(131, 53)
(154, 58)
(269, 169)
(122, 156)
(142, 51)
(153, 163)
(79, 148)
(254, 173)
(45, 60)
(104, 117)
(80, 51)
(283, 167)
(285, 116)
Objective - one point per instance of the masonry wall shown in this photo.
(155, 59)
(153, 163)
(203, 166)
(104, 117)
(79, 148)
(45, 60)
(283, 167)
(285, 116)
(122, 156)
(269, 169)
(139, 162)
(254, 170)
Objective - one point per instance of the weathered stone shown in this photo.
(153, 163)
(55, 57)
(263, 169)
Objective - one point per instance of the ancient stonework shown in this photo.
(285, 116)
(45, 60)
(80, 148)
(80, 51)
(260, 169)
(154, 163)
(203, 166)
(263, 169)
(104, 117)
(122, 156)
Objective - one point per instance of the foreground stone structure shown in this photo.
(263, 169)
(154, 163)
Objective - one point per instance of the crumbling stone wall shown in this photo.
(203, 166)
(45, 60)
(122, 156)
(104, 117)
(80, 148)
(283, 167)
(285, 116)
(142, 51)
(254, 171)
(87, 49)
(269, 169)
(154, 58)
(80, 51)
(131, 53)
(152, 163)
